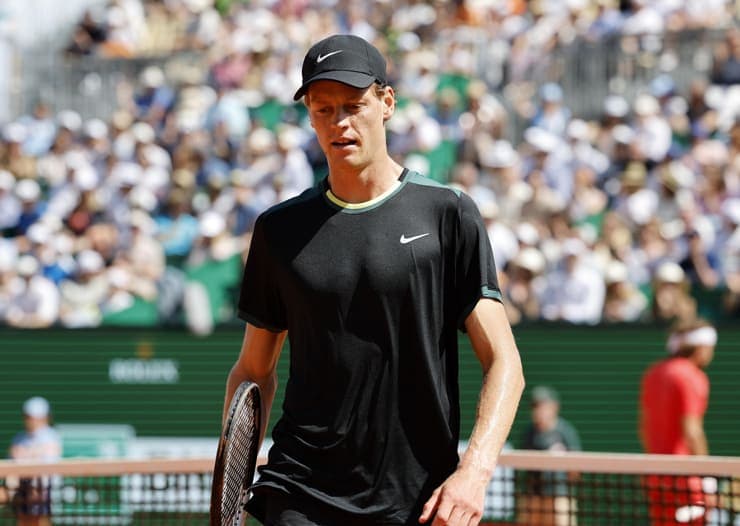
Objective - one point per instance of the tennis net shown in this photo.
(530, 488)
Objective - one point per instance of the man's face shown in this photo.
(704, 355)
(349, 122)
(545, 414)
(33, 423)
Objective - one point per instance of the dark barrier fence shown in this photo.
(157, 383)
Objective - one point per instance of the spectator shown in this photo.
(177, 228)
(547, 499)
(524, 285)
(575, 291)
(35, 299)
(154, 98)
(726, 67)
(32, 205)
(10, 205)
(213, 271)
(39, 442)
(83, 294)
(624, 302)
(552, 116)
(12, 156)
(671, 299)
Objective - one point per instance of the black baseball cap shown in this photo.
(345, 58)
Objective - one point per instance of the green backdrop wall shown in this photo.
(171, 383)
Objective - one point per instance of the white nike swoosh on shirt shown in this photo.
(405, 239)
(321, 58)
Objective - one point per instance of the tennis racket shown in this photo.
(236, 457)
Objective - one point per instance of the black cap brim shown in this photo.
(351, 78)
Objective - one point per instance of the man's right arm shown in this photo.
(257, 362)
(693, 432)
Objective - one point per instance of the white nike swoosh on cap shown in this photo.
(321, 58)
(405, 239)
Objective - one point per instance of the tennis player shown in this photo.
(673, 400)
(370, 275)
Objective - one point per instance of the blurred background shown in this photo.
(140, 140)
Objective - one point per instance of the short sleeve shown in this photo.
(474, 265)
(260, 300)
(693, 394)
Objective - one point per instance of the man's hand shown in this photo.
(458, 501)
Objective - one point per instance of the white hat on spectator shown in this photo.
(642, 205)
(531, 259)
(52, 221)
(152, 77)
(8, 255)
(95, 128)
(15, 132)
(143, 221)
(578, 129)
(501, 155)
(126, 173)
(677, 105)
(623, 134)
(676, 175)
(143, 132)
(118, 277)
(527, 233)
(646, 105)
(85, 178)
(70, 120)
(7, 181)
(27, 190)
(36, 407)
(157, 157)
(90, 261)
(573, 247)
(116, 16)
(711, 153)
(670, 272)
(408, 41)
(616, 106)
(198, 6)
(261, 140)
(39, 233)
(489, 210)
(290, 137)
(616, 272)
(714, 96)
(212, 224)
(143, 198)
(27, 266)
(541, 139)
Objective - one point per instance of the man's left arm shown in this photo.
(459, 500)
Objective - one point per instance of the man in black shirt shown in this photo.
(370, 274)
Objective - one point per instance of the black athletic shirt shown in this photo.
(372, 298)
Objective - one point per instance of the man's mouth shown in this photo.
(342, 143)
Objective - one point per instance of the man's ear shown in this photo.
(389, 103)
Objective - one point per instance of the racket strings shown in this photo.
(240, 456)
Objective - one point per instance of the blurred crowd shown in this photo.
(144, 217)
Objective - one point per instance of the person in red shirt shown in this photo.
(673, 399)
